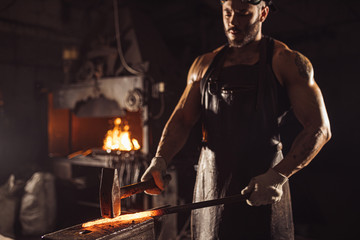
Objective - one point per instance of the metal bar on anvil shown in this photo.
(132, 230)
(167, 210)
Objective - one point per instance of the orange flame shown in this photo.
(124, 218)
(119, 138)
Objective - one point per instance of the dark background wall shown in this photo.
(33, 34)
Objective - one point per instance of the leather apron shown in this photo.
(243, 106)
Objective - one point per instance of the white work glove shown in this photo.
(156, 170)
(265, 188)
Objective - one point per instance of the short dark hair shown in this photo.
(256, 2)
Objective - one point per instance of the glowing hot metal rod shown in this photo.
(167, 210)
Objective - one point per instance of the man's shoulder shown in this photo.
(207, 58)
(282, 53)
(281, 50)
(288, 64)
(201, 64)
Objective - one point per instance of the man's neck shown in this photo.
(248, 54)
(250, 47)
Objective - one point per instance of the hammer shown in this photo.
(111, 193)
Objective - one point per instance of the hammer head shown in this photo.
(111, 193)
(110, 201)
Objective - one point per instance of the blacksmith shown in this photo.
(242, 91)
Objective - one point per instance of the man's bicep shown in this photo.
(308, 104)
(189, 106)
(190, 102)
(296, 73)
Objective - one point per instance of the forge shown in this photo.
(102, 117)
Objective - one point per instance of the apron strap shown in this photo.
(213, 71)
(262, 72)
(211, 76)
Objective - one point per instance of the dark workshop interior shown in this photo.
(70, 68)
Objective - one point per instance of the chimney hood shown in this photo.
(106, 97)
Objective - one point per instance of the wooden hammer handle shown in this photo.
(135, 188)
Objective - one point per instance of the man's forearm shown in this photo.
(305, 147)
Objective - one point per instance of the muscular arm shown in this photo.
(295, 72)
(178, 127)
(185, 114)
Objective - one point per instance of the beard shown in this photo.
(249, 33)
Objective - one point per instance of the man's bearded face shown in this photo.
(241, 22)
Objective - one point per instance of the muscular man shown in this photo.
(242, 91)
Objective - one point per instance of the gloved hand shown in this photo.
(156, 170)
(265, 188)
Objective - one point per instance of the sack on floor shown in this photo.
(9, 200)
(38, 205)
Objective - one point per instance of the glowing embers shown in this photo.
(124, 219)
(119, 138)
